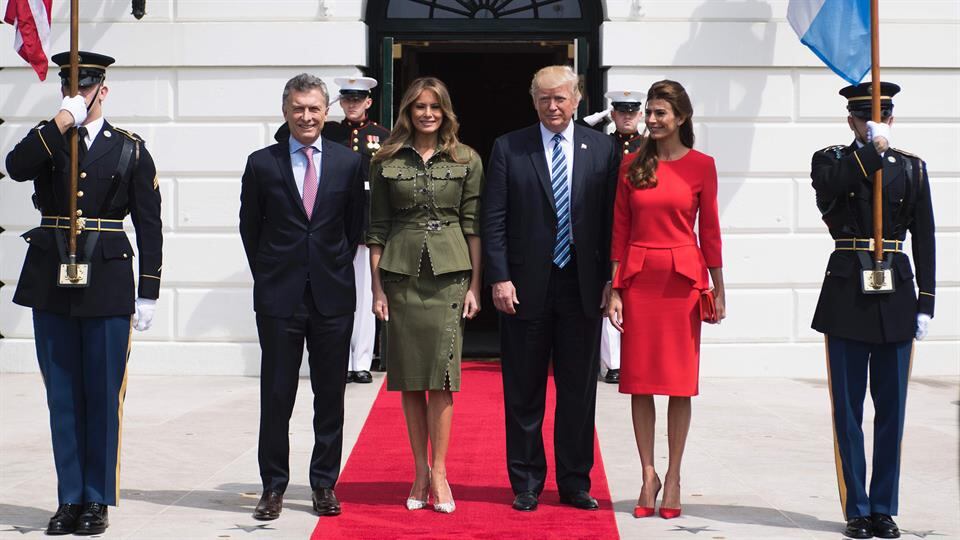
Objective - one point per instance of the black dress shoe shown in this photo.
(65, 520)
(362, 377)
(858, 527)
(325, 502)
(612, 376)
(351, 376)
(525, 501)
(93, 520)
(884, 526)
(270, 505)
(579, 499)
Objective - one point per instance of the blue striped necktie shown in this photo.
(561, 195)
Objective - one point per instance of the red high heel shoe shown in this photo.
(647, 511)
(669, 513)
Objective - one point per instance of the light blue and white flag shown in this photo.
(838, 31)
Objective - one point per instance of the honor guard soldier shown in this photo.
(363, 136)
(868, 327)
(625, 107)
(82, 333)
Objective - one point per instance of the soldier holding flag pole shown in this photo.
(78, 278)
(870, 195)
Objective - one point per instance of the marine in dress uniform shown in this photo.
(868, 332)
(83, 334)
(363, 136)
(626, 115)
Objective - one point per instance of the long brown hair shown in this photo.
(643, 170)
(403, 130)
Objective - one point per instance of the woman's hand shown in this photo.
(721, 308)
(380, 308)
(615, 310)
(471, 303)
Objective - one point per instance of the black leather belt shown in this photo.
(83, 223)
(866, 244)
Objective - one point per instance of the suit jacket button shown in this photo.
(79, 194)
(83, 175)
(124, 255)
(828, 272)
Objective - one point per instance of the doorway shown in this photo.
(489, 84)
(486, 52)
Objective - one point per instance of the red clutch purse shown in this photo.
(708, 306)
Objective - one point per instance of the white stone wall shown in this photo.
(201, 82)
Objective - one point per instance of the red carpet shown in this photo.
(376, 480)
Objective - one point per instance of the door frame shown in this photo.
(583, 31)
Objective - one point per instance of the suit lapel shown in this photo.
(324, 176)
(539, 158)
(580, 163)
(282, 156)
(103, 144)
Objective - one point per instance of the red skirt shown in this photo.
(660, 345)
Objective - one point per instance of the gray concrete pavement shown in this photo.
(759, 461)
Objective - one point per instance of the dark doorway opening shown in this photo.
(489, 83)
(486, 52)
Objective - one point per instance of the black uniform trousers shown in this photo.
(83, 361)
(572, 340)
(281, 344)
(848, 362)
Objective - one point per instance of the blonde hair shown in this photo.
(554, 77)
(403, 130)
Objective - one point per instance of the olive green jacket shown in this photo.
(417, 206)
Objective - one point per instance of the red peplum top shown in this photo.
(663, 218)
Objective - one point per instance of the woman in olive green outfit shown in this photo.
(425, 259)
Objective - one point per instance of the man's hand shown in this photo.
(77, 107)
(143, 315)
(597, 117)
(879, 134)
(505, 297)
(923, 322)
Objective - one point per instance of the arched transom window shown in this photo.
(484, 9)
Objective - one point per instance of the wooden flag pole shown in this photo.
(875, 101)
(72, 273)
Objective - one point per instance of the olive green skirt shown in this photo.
(423, 339)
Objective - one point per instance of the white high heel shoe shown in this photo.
(447, 507)
(414, 503)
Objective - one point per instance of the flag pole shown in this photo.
(73, 140)
(875, 105)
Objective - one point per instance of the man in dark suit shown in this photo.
(546, 221)
(871, 328)
(82, 333)
(301, 209)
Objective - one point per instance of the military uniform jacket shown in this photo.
(103, 192)
(843, 180)
(417, 206)
(365, 139)
(626, 144)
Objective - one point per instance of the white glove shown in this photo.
(143, 316)
(923, 321)
(77, 108)
(878, 129)
(597, 117)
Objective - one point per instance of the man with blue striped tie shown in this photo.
(546, 222)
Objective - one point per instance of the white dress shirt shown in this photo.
(567, 146)
(298, 162)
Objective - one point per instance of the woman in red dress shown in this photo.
(659, 274)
